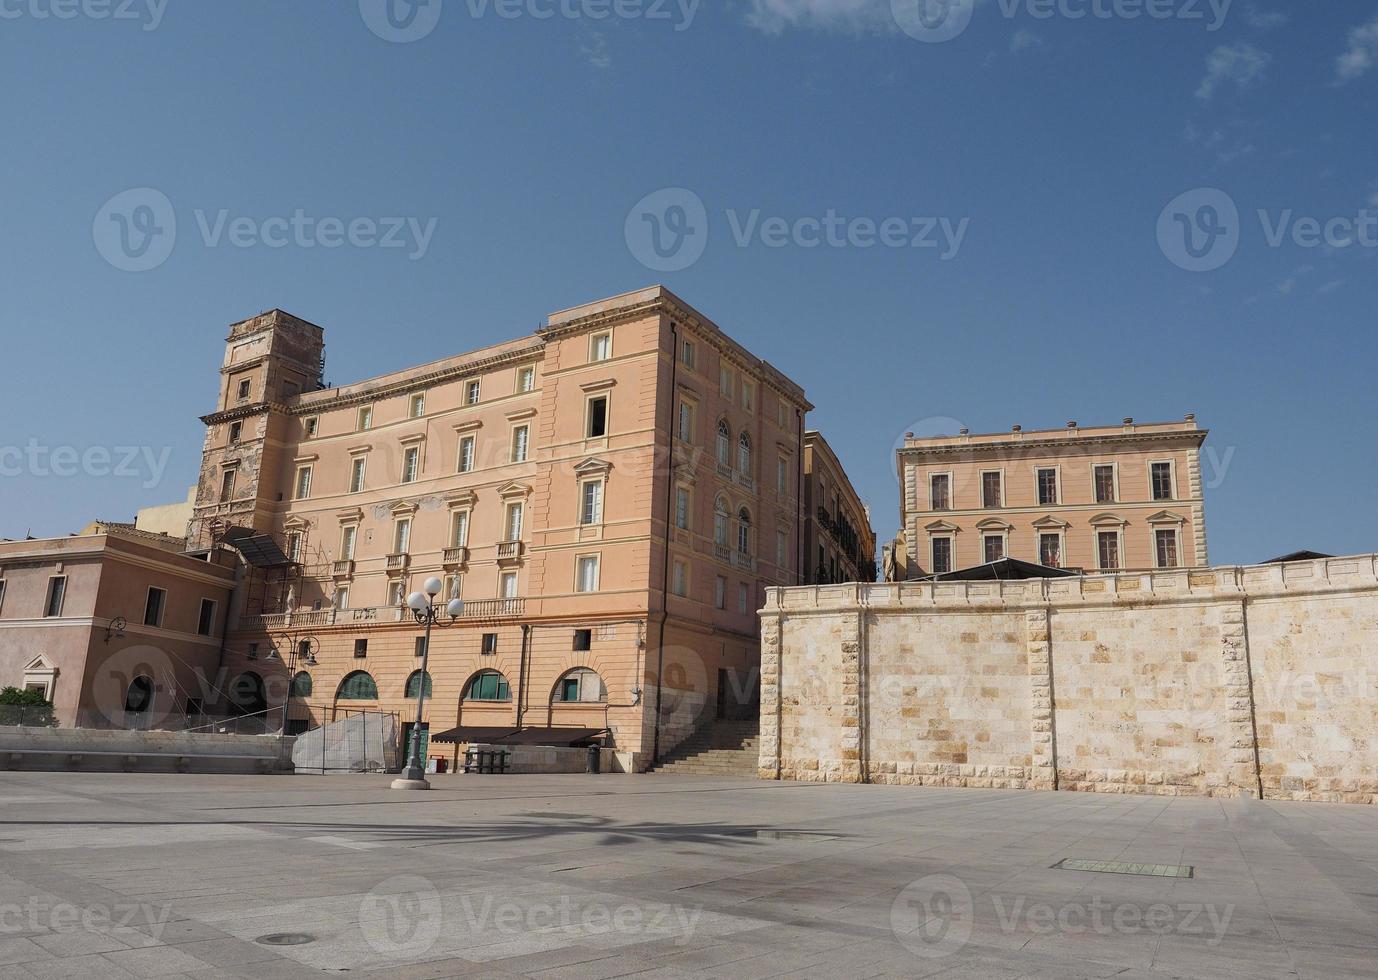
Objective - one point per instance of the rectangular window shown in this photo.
(356, 474)
(459, 530)
(311, 427)
(205, 623)
(154, 606)
(743, 600)
(1047, 487)
(600, 347)
(940, 491)
(719, 593)
(782, 474)
(942, 556)
(991, 487)
(1105, 484)
(294, 543)
(401, 537)
(598, 417)
(253, 651)
(304, 483)
(782, 414)
(583, 641)
(342, 597)
(521, 443)
(417, 407)
(490, 643)
(748, 396)
(587, 579)
(2, 595)
(1167, 548)
(591, 512)
(725, 381)
(466, 454)
(472, 393)
(994, 547)
(1162, 481)
(686, 354)
(227, 486)
(526, 379)
(244, 388)
(686, 422)
(411, 464)
(679, 581)
(419, 647)
(365, 418)
(508, 585)
(1050, 550)
(514, 521)
(682, 508)
(360, 648)
(236, 429)
(1108, 547)
(781, 549)
(349, 537)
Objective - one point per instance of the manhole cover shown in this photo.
(1125, 868)
(285, 939)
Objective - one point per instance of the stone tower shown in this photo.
(270, 359)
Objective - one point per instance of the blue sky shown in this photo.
(1073, 154)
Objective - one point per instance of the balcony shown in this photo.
(479, 609)
(722, 552)
(398, 563)
(745, 481)
(456, 557)
(510, 552)
(744, 561)
(725, 471)
(343, 569)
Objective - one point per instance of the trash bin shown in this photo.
(595, 760)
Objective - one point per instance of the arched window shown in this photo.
(724, 443)
(721, 515)
(358, 686)
(414, 685)
(301, 685)
(139, 697)
(744, 454)
(744, 531)
(247, 694)
(488, 686)
(580, 686)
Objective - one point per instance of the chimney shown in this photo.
(964, 431)
(1018, 428)
(1071, 425)
(1191, 416)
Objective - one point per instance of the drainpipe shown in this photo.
(521, 675)
(1253, 701)
(669, 534)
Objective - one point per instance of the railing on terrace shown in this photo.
(475, 609)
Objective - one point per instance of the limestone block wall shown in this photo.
(1234, 681)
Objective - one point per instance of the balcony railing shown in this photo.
(456, 556)
(317, 618)
(745, 480)
(744, 561)
(398, 563)
(722, 552)
(509, 550)
(343, 569)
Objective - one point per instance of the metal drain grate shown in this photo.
(285, 939)
(1123, 868)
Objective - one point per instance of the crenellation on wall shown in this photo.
(1224, 682)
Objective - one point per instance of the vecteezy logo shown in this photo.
(135, 688)
(932, 917)
(1199, 231)
(932, 21)
(402, 916)
(668, 231)
(135, 230)
(400, 21)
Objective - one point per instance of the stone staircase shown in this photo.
(721, 748)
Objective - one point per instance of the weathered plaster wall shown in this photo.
(1220, 682)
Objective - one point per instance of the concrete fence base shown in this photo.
(89, 750)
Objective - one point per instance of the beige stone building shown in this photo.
(839, 544)
(610, 497)
(1106, 498)
(117, 628)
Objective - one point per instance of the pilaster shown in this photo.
(1038, 638)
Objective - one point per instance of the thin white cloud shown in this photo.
(1241, 65)
(1288, 286)
(1330, 287)
(1263, 20)
(849, 16)
(1362, 54)
(594, 48)
(1023, 40)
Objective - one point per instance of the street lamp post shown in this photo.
(427, 612)
(301, 647)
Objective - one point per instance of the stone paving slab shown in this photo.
(151, 875)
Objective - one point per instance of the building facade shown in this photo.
(610, 497)
(1125, 497)
(115, 628)
(839, 544)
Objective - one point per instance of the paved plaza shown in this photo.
(111, 876)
